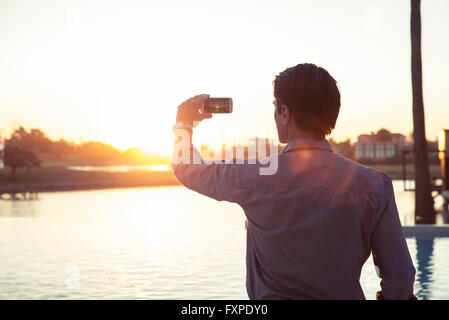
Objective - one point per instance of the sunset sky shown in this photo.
(115, 71)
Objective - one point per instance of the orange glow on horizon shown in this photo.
(115, 72)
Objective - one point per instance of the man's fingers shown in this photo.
(202, 116)
(199, 99)
(192, 99)
(191, 109)
(196, 101)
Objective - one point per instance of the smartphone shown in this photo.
(217, 105)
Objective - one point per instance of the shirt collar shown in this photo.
(307, 143)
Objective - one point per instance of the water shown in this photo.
(153, 243)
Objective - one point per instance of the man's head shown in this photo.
(306, 98)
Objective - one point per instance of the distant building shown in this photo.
(259, 148)
(368, 146)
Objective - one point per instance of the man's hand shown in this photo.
(189, 110)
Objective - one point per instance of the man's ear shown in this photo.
(285, 114)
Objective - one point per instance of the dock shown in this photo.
(30, 191)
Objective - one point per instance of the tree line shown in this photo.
(30, 148)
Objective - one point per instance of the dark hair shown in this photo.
(312, 95)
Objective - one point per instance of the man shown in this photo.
(313, 223)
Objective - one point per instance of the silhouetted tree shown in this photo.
(17, 158)
(90, 152)
(424, 209)
(34, 141)
(62, 148)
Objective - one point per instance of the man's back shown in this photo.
(313, 223)
(310, 225)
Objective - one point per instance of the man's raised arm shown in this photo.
(221, 181)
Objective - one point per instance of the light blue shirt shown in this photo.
(312, 224)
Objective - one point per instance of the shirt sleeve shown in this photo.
(220, 180)
(390, 251)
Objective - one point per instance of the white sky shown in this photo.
(115, 71)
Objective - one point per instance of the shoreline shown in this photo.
(55, 187)
(54, 179)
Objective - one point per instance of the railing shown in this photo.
(435, 186)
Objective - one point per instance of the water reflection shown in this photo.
(424, 267)
(20, 208)
(139, 243)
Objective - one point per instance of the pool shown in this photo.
(430, 256)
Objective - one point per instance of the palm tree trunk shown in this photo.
(424, 209)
